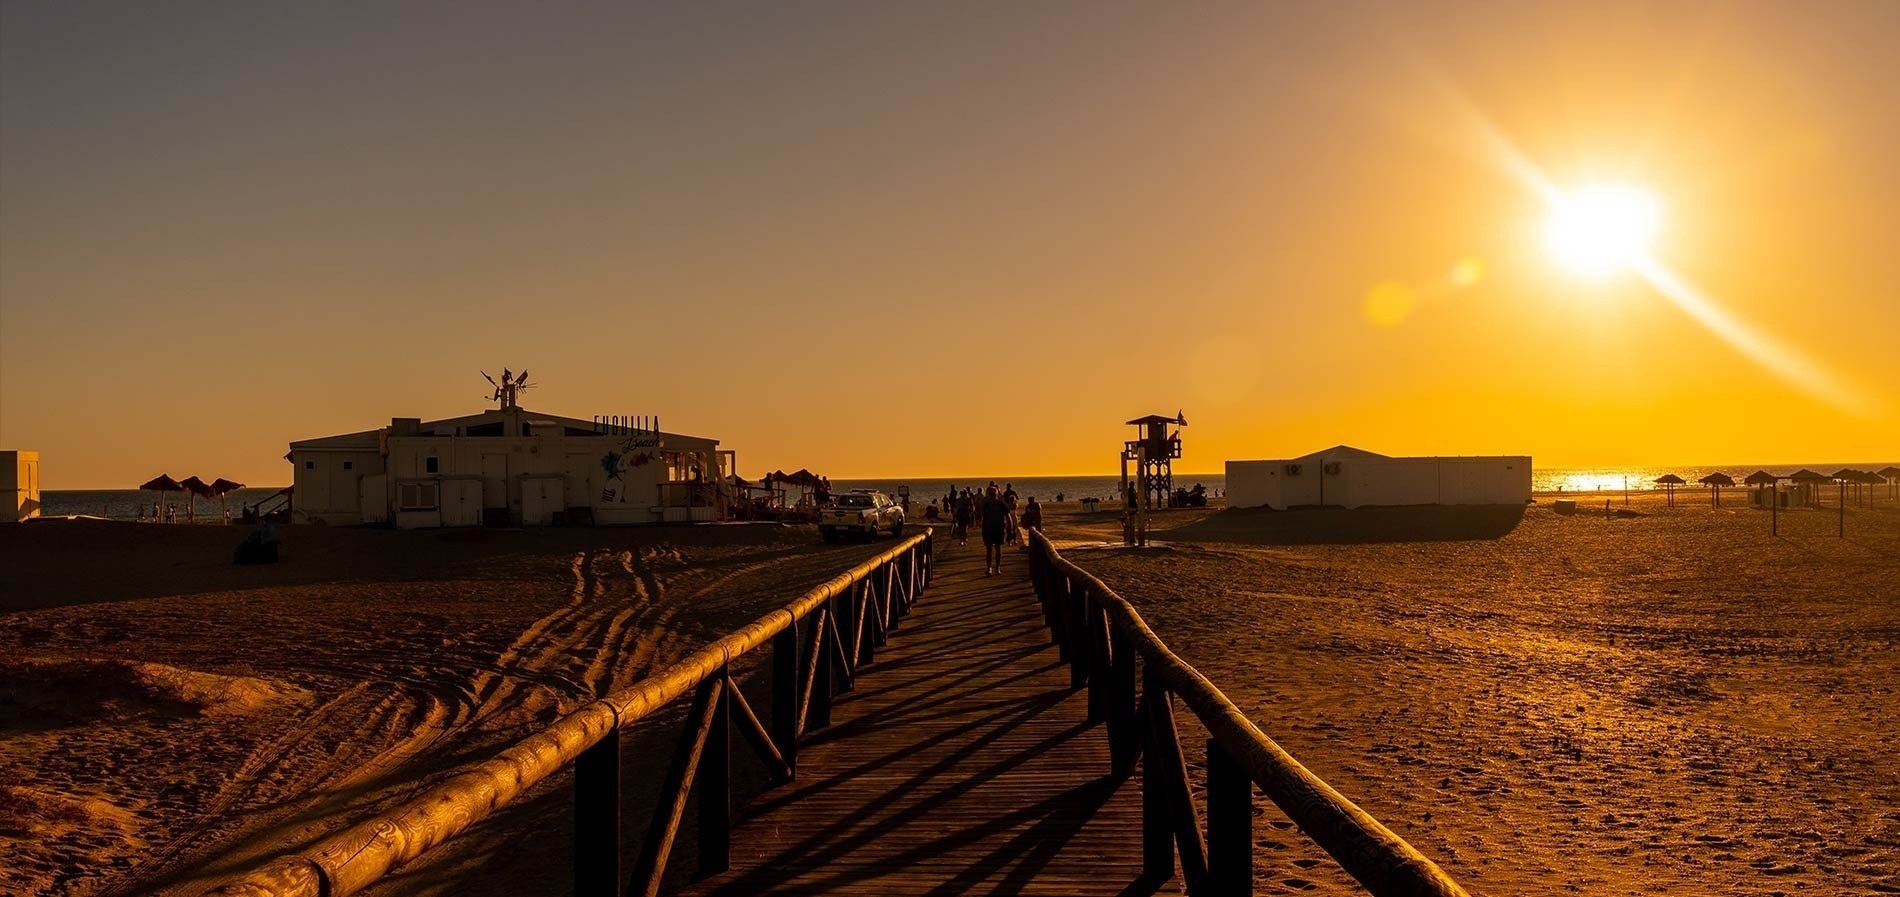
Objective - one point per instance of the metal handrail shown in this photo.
(1101, 634)
(807, 669)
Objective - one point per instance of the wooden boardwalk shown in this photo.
(962, 763)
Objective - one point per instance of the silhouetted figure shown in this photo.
(995, 525)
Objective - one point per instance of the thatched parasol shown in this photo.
(222, 488)
(1716, 481)
(1761, 478)
(194, 488)
(1669, 482)
(160, 484)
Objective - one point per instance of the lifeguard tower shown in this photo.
(1152, 453)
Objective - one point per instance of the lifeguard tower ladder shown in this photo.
(1152, 455)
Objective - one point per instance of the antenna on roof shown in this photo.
(508, 387)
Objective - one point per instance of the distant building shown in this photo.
(509, 466)
(20, 478)
(1343, 476)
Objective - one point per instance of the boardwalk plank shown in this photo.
(961, 764)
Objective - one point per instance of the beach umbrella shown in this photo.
(222, 487)
(194, 488)
(1716, 481)
(1809, 478)
(1892, 476)
(161, 484)
(1669, 482)
(1761, 478)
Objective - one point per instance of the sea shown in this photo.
(123, 504)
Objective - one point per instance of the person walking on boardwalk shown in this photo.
(963, 516)
(995, 520)
(1032, 517)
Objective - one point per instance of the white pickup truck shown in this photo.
(861, 512)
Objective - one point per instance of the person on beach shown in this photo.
(1011, 531)
(1032, 517)
(962, 517)
(995, 519)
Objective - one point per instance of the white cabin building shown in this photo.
(509, 467)
(1343, 476)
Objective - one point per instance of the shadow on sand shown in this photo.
(1340, 526)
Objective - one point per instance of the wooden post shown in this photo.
(665, 826)
(1229, 824)
(1080, 644)
(785, 696)
(1100, 655)
(1170, 767)
(597, 819)
(1124, 741)
(715, 786)
(1157, 832)
(818, 695)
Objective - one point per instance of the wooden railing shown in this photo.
(817, 644)
(1109, 649)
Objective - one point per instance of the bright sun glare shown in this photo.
(1601, 230)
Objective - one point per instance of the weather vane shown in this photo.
(508, 387)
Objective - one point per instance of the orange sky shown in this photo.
(902, 241)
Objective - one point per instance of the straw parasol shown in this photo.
(221, 487)
(1716, 481)
(161, 484)
(1761, 478)
(1669, 482)
(194, 489)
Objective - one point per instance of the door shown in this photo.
(494, 480)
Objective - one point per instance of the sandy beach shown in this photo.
(1670, 703)
(166, 717)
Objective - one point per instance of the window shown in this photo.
(310, 465)
(431, 464)
(416, 496)
(349, 465)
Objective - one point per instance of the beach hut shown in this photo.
(222, 488)
(1669, 482)
(160, 484)
(1715, 482)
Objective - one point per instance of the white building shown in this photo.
(20, 478)
(1343, 476)
(509, 466)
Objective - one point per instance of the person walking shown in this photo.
(1032, 517)
(963, 516)
(995, 520)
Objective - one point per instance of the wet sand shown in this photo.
(166, 717)
(1670, 703)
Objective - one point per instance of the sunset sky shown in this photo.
(947, 239)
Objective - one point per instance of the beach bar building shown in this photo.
(511, 467)
(20, 478)
(1343, 476)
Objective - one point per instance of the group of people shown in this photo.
(997, 512)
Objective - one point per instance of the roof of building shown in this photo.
(1342, 452)
(500, 417)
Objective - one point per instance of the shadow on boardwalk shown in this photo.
(962, 763)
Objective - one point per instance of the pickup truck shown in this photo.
(861, 512)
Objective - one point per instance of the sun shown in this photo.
(1602, 229)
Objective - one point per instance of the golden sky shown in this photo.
(956, 240)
